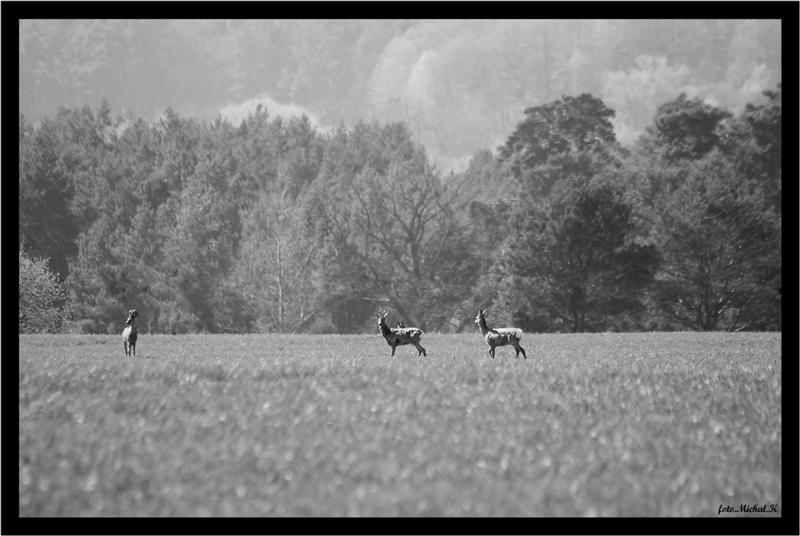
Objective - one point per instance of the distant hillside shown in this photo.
(460, 85)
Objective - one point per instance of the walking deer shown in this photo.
(400, 336)
(129, 333)
(499, 336)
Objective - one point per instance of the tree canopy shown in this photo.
(273, 225)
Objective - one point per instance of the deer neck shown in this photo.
(483, 326)
(384, 328)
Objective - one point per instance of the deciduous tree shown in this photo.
(721, 246)
(577, 262)
(42, 297)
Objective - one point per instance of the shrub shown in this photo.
(42, 298)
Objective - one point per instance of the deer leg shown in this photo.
(518, 349)
(394, 347)
(125, 346)
(491, 351)
(420, 349)
(133, 347)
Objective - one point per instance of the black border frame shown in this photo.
(787, 523)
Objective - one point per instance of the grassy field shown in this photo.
(651, 424)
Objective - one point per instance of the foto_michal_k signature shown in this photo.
(747, 509)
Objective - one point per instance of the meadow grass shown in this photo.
(642, 424)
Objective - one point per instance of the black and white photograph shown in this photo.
(401, 268)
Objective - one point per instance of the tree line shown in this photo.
(275, 226)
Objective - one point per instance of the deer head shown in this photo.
(132, 314)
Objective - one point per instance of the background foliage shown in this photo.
(274, 225)
(459, 85)
(41, 297)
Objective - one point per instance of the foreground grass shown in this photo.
(602, 424)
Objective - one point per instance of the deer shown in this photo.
(129, 333)
(499, 336)
(400, 336)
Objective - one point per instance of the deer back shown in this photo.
(503, 336)
(407, 335)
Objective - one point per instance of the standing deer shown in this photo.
(500, 336)
(400, 336)
(129, 333)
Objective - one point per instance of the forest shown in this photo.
(273, 225)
